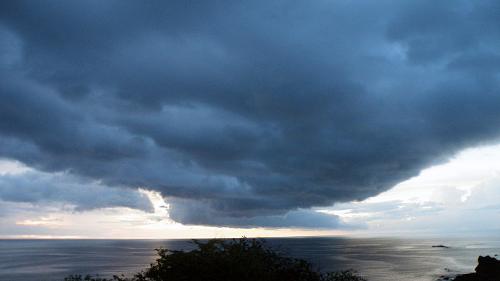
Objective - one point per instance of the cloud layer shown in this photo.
(247, 110)
(36, 187)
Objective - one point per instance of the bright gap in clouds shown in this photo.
(461, 197)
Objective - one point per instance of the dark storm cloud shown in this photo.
(201, 213)
(249, 110)
(36, 187)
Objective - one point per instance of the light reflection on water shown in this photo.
(377, 259)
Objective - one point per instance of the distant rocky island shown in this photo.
(440, 246)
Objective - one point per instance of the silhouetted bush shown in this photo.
(229, 260)
(90, 278)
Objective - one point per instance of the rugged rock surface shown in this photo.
(488, 269)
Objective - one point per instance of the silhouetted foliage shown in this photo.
(229, 260)
(78, 277)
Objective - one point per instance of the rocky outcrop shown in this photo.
(488, 269)
(440, 246)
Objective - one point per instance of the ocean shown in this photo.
(377, 259)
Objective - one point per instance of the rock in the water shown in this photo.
(440, 246)
(488, 269)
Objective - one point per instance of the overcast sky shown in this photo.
(226, 117)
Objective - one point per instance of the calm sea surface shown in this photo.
(376, 259)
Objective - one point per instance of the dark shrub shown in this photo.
(230, 260)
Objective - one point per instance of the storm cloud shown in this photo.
(80, 195)
(247, 110)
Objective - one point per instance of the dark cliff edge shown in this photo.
(488, 269)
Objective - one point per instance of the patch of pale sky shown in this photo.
(12, 167)
(463, 172)
(436, 201)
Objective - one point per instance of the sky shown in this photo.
(176, 119)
